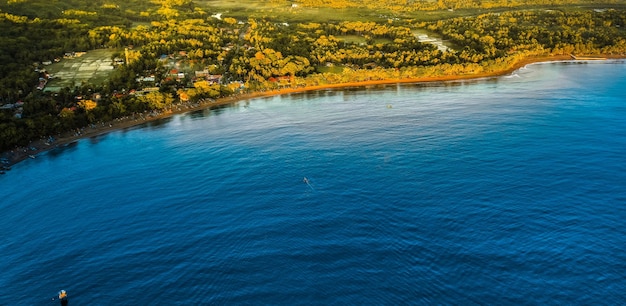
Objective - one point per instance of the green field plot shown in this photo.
(92, 67)
(330, 69)
(352, 39)
(361, 40)
(382, 40)
(286, 11)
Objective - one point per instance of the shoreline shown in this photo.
(12, 157)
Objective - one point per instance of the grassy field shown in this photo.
(331, 69)
(352, 39)
(283, 11)
(93, 67)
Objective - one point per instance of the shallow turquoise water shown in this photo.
(498, 191)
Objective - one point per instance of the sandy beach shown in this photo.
(16, 155)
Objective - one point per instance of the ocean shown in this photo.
(498, 191)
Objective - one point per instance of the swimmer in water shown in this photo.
(63, 297)
(306, 181)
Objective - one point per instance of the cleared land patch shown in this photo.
(426, 37)
(92, 67)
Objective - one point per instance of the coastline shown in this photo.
(34, 148)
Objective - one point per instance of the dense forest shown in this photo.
(431, 5)
(217, 55)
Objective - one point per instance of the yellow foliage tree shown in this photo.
(230, 20)
(87, 105)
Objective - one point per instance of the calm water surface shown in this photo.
(499, 191)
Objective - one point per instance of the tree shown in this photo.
(87, 105)
(157, 100)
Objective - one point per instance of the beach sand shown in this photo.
(36, 147)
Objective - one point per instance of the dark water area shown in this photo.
(499, 191)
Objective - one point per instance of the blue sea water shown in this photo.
(509, 190)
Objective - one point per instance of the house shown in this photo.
(214, 78)
(281, 80)
(145, 91)
(42, 83)
(150, 78)
(202, 73)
